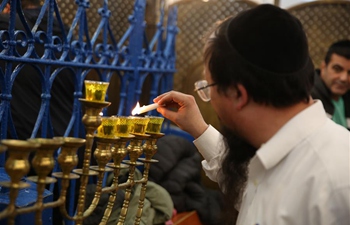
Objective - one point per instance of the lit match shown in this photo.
(143, 109)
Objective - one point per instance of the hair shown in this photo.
(238, 153)
(278, 74)
(341, 48)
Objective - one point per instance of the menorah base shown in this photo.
(26, 197)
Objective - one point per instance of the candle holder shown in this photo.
(91, 120)
(107, 129)
(95, 94)
(113, 134)
(124, 126)
(154, 125)
(43, 163)
(119, 152)
(95, 90)
(139, 125)
(68, 160)
(16, 166)
(102, 155)
(138, 129)
(149, 149)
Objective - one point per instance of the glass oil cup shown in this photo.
(123, 126)
(107, 129)
(95, 90)
(155, 124)
(139, 125)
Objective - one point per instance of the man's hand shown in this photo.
(182, 109)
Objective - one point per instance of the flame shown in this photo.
(136, 109)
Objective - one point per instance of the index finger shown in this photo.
(167, 98)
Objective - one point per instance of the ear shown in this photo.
(242, 97)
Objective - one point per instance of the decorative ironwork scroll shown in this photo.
(51, 45)
(132, 57)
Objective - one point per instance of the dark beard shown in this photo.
(235, 171)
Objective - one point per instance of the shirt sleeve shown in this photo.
(211, 145)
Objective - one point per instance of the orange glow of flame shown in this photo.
(136, 109)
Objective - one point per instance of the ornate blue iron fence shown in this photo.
(132, 58)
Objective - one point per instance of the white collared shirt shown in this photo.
(301, 176)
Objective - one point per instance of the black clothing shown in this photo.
(320, 91)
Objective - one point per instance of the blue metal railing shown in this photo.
(132, 62)
(132, 58)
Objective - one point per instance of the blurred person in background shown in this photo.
(332, 83)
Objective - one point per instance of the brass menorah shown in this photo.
(116, 137)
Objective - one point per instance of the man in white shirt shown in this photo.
(280, 159)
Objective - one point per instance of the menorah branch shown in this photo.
(116, 138)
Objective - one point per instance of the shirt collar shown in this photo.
(291, 134)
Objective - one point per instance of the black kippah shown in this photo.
(270, 40)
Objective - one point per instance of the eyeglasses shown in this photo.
(201, 87)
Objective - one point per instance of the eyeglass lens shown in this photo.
(203, 90)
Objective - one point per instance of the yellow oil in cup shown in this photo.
(155, 124)
(123, 126)
(139, 124)
(107, 129)
(95, 90)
